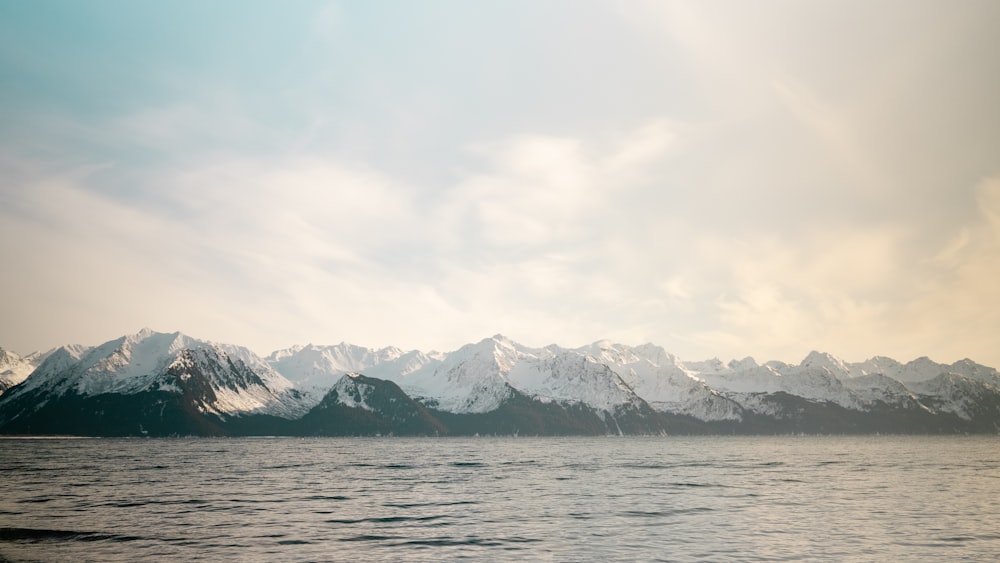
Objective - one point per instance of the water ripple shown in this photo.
(678, 499)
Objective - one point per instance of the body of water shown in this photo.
(560, 499)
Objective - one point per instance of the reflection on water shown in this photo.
(698, 498)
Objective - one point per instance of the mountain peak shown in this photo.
(14, 369)
(824, 360)
(145, 332)
(498, 346)
(8, 357)
(744, 364)
(501, 340)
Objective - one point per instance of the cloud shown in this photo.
(544, 190)
(718, 178)
(309, 247)
(241, 242)
(542, 186)
(275, 251)
(988, 200)
(81, 262)
(867, 290)
(952, 308)
(776, 297)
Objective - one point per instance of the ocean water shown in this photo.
(525, 499)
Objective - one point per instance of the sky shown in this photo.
(723, 179)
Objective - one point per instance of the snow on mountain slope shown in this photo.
(58, 361)
(823, 377)
(351, 392)
(825, 362)
(879, 365)
(237, 380)
(977, 372)
(923, 369)
(475, 378)
(568, 377)
(871, 389)
(235, 386)
(479, 377)
(315, 369)
(471, 379)
(920, 369)
(957, 394)
(663, 381)
(817, 384)
(125, 365)
(14, 369)
(354, 390)
(739, 378)
(814, 379)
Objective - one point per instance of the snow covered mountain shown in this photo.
(476, 378)
(150, 370)
(807, 380)
(471, 379)
(964, 396)
(479, 377)
(14, 369)
(663, 381)
(315, 369)
(494, 385)
(363, 405)
(570, 378)
(880, 381)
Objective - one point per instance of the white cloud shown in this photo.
(533, 195)
(543, 190)
(676, 288)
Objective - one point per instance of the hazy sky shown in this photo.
(720, 178)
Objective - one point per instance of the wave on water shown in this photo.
(34, 535)
(387, 519)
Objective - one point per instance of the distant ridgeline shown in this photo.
(156, 384)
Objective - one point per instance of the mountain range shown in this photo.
(162, 384)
